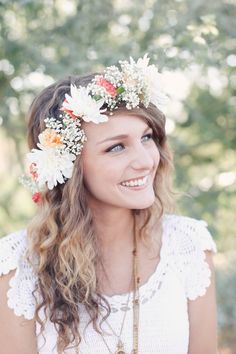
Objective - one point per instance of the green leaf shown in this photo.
(97, 97)
(120, 90)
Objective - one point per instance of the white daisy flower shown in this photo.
(154, 81)
(82, 105)
(53, 165)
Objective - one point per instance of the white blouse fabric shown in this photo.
(181, 275)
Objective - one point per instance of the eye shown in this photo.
(115, 148)
(147, 137)
(120, 147)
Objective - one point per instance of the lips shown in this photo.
(134, 179)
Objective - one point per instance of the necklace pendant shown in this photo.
(120, 351)
(120, 348)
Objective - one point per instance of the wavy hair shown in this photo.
(62, 234)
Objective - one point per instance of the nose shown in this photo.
(143, 158)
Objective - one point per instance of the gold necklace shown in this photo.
(120, 345)
(136, 302)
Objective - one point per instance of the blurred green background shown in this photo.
(193, 44)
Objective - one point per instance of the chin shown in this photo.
(144, 204)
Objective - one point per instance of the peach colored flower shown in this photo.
(50, 138)
(129, 81)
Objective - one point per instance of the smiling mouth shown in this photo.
(136, 183)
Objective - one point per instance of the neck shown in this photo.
(114, 227)
(115, 232)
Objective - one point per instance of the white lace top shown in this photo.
(181, 274)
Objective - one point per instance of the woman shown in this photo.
(102, 267)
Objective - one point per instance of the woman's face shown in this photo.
(120, 150)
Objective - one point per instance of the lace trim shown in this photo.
(146, 291)
(196, 239)
(23, 283)
(205, 239)
(11, 247)
(198, 278)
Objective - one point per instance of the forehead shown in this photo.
(117, 124)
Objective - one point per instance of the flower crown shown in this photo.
(133, 83)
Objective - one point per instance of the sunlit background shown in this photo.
(192, 43)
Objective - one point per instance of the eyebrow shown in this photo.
(122, 136)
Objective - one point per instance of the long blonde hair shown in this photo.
(62, 233)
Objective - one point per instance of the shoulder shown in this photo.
(22, 281)
(191, 246)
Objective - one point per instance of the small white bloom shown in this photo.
(142, 62)
(53, 165)
(82, 105)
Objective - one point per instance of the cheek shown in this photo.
(99, 175)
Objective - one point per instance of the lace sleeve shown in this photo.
(198, 273)
(21, 286)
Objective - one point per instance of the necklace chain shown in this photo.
(136, 303)
(123, 321)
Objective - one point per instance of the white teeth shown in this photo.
(136, 182)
